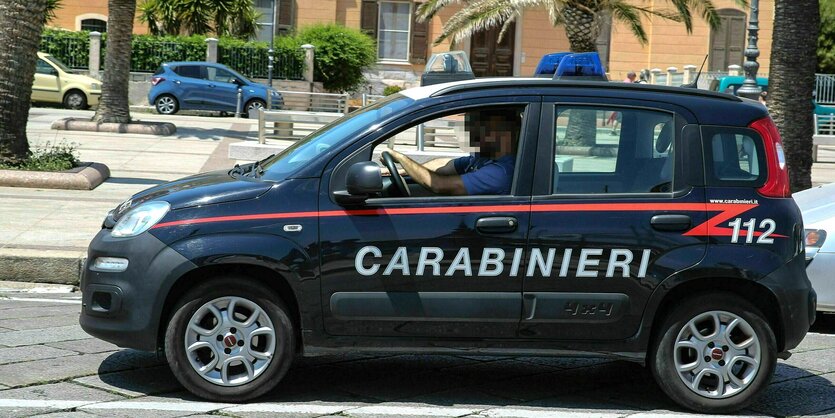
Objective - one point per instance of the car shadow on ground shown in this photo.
(824, 323)
(558, 384)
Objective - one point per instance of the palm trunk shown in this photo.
(791, 82)
(582, 29)
(21, 22)
(114, 106)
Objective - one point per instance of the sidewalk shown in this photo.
(44, 233)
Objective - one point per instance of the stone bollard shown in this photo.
(94, 60)
(671, 71)
(211, 49)
(734, 69)
(308, 63)
(689, 74)
(654, 73)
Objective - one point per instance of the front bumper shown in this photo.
(93, 98)
(124, 308)
(820, 274)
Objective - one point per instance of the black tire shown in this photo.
(166, 104)
(230, 286)
(663, 364)
(253, 103)
(75, 99)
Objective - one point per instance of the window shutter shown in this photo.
(285, 14)
(419, 38)
(368, 18)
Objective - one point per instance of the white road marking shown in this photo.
(40, 403)
(423, 411)
(160, 406)
(533, 413)
(293, 408)
(69, 301)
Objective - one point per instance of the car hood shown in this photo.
(817, 204)
(78, 78)
(201, 189)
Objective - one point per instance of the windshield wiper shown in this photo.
(237, 170)
(257, 170)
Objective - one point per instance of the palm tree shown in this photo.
(791, 80)
(114, 106)
(236, 18)
(21, 22)
(582, 21)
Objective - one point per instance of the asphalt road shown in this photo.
(49, 366)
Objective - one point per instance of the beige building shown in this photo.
(404, 44)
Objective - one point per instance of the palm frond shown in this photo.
(630, 15)
(481, 15)
(428, 10)
(683, 8)
(506, 26)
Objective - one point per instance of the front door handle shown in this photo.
(670, 222)
(496, 224)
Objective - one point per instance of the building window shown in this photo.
(393, 31)
(91, 25)
(727, 42)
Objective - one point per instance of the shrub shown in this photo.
(49, 157)
(341, 55)
(389, 90)
(71, 48)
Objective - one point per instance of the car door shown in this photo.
(431, 266)
(191, 85)
(222, 93)
(615, 215)
(47, 85)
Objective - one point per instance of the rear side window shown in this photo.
(191, 71)
(733, 157)
(159, 70)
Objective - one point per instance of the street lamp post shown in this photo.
(749, 88)
(271, 51)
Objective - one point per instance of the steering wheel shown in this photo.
(399, 184)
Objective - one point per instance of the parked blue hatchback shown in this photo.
(206, 86)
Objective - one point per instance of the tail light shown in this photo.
(777, 184)
(156, 80)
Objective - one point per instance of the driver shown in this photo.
(494, 135)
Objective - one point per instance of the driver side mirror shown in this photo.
(363, 180)
(236, 81)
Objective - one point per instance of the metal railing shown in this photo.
(368, 99)
(314, 102)
(825, 88)
(73, 52)
(148, 56)
(253, 62)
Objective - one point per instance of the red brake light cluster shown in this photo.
(156, 80)
(777, 184)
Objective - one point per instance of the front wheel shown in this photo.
(75, 99)
(230, 340)
(715, 353)
(254, 104)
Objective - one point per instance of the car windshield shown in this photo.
(284, 164)
(58, 63)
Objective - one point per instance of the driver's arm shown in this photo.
(442, 166)
(436, 182)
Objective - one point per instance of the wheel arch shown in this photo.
(256, 270)
(751, 291)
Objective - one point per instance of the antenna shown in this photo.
(692, 85)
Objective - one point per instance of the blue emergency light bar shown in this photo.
(581, 66)
(547, 66)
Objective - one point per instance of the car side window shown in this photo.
(43, 68)
(601, 150)
(734, 156)
(190, 71)
(219, 75)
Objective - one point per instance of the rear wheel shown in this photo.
(230, 340)
(715, 353)
(75, 99)
(167, 104)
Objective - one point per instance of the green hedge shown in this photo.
(72, 48)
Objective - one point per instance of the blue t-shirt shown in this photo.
(485, 176)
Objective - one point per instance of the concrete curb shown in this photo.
(146, 128)
(43, 266)
(85, 177)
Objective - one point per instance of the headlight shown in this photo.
(814, 237)
(95, 86)
(274, 92)
(140, 219)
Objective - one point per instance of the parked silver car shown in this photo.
(818, 207)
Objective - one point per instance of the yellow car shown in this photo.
(55, 83)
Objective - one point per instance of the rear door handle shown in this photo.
(211, 85)
(496, 224)
(670, 222)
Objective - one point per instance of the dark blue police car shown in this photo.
(671, 241)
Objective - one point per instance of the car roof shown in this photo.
(178, 63)
(436, 90)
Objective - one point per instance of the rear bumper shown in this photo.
(796, 298)
(820, 275)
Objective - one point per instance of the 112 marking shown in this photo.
(768, 224)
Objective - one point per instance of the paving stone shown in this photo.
(407, 410)
(400, 385)
(40, 336)
(47, 370)
(797, 397)
(135, 383)
(8, 304)
(186, 404)
(468, 397)
(18, 354)
(65, 414)
(85, 346)
(331, 359)
(39, 311)
(56, 391)
(565, 362)
(819, 360)
(815, 341)
(39, 322)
